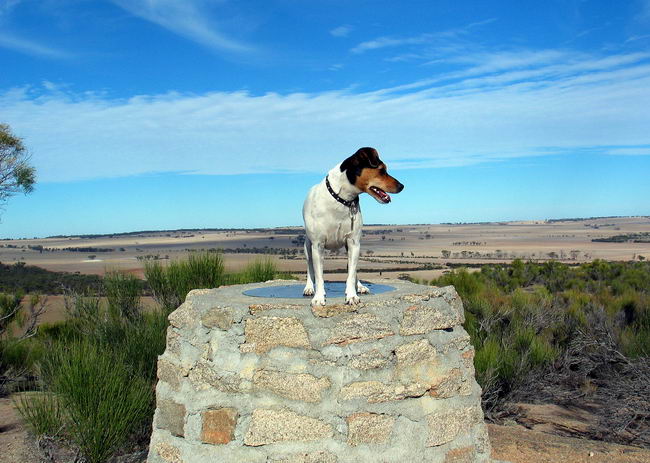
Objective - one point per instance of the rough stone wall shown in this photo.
(252, 380)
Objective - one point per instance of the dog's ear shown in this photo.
(364, 158)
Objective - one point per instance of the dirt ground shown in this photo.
(16, 445)
(515, 444)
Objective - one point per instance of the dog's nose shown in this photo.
(400, 187)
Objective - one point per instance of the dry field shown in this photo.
(389, 249)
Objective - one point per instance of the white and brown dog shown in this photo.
(333, 218)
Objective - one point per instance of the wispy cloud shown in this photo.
(385, 42)
(341, 31)
(189, 19)
(535, 104)
(15, 42)
(31, 47)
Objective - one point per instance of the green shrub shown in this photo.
(123, 292)
(104, 400)
(9, 309)
(20, 355)
(41, 411)
(170, 284)
(260, 269)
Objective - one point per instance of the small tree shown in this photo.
(16, 175)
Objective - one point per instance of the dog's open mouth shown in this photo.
(380, 195)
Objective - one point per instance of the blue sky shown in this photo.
(148, 114)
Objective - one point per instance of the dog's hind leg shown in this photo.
(309, 286)
(317, 262)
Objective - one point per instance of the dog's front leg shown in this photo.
(317, 256)
(309, 286)
(351, 297)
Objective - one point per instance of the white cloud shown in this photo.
(31, 47)
(442, 36)
(341, 31)
(565, 102)
(630, 151)
(189, 19)
(384, 42)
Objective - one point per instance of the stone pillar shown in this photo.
(247, 380)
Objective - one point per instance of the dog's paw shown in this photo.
(318, 300)
(352, 300)
(308, 291)
(362, 289)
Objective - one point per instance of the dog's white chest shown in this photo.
(338, 232)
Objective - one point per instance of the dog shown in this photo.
(333, 218)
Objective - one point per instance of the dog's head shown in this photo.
(368, 173)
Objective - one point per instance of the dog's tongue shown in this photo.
(383, 196)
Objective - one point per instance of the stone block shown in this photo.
(171, 417)
(184, 317)
(257, 308)
(271, 426)
(377, 392)
(264, 333)
(467, 357)
(218, 426)
(369, 360)
(313, 457)
(446, 425)
(435, 315)
(415, 352)
(359, 328)
(168, 452)
(461, 455)
(173, 342)
(301, 386)
(170, 374)
(449, 384)
(204, 375)
(218, 317)
(369, 428)
(332, 310)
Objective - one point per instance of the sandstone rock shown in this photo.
(435, 315)
(369, 360)
(461, 455)
(218, 317)
(168, 452)
(171, 416)
(369, 428)
(300, 386)
(446, 425)
(377, 392)
(170, 374)
(270, 426)
(264, 333)
(327, 311)
(218, 426)
(315, 457)
(184, 317)
(450, 384)
(257, 308)
(204, 375)
(359, 328)
(173, 342)
(415, 352)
